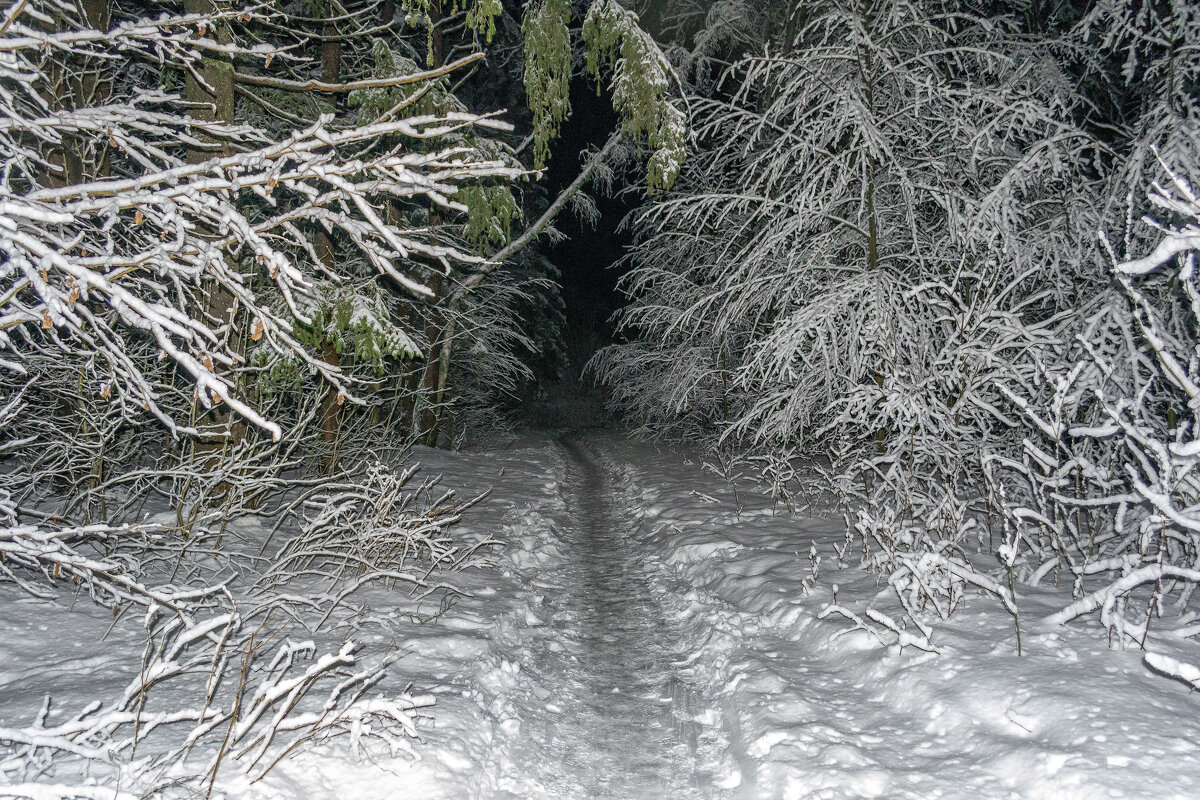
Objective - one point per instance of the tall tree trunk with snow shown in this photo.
(437, 328)
(438, 317)
(72, 83)
(331, 398)
(76, 82)
(210, 91)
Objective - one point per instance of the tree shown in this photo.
(1102, 490)
(850, 250)
(164, 229)
(82, 254)
(1105, 490)
(885, 229)
(1139, 59)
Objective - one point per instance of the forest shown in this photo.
(923, 268)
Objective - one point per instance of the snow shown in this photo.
(644, 633)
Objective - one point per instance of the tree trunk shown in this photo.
(437, 334)
(331, 416)
(70, 84)
(215, 102)
(435, 340)
(412, 396)
(331, 401)
(791, 26)
(90, 89)
(867, 68)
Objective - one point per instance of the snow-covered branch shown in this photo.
(145, 242)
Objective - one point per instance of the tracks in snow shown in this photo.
(603, 706)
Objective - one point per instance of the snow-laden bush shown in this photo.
(232, 674)
(166, 264)
(372, 530)
(920, 541)
(849, 254)
(163, 273)
(254, 701)
(1107, 492)
(173, 257)
(1141, 56)
(886, 220)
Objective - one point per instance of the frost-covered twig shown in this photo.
(368, 532)
(257, 710)
(54, 552)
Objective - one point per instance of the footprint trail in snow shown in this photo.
(605, 666)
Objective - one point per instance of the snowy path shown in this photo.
(607, 672)
(630, 568)
(649, 633)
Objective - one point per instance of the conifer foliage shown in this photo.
(911, 238)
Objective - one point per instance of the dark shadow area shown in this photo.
(587, 261)
(587, 257)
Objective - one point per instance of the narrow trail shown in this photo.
(606, 668)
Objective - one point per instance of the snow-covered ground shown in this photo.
(647, 632)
